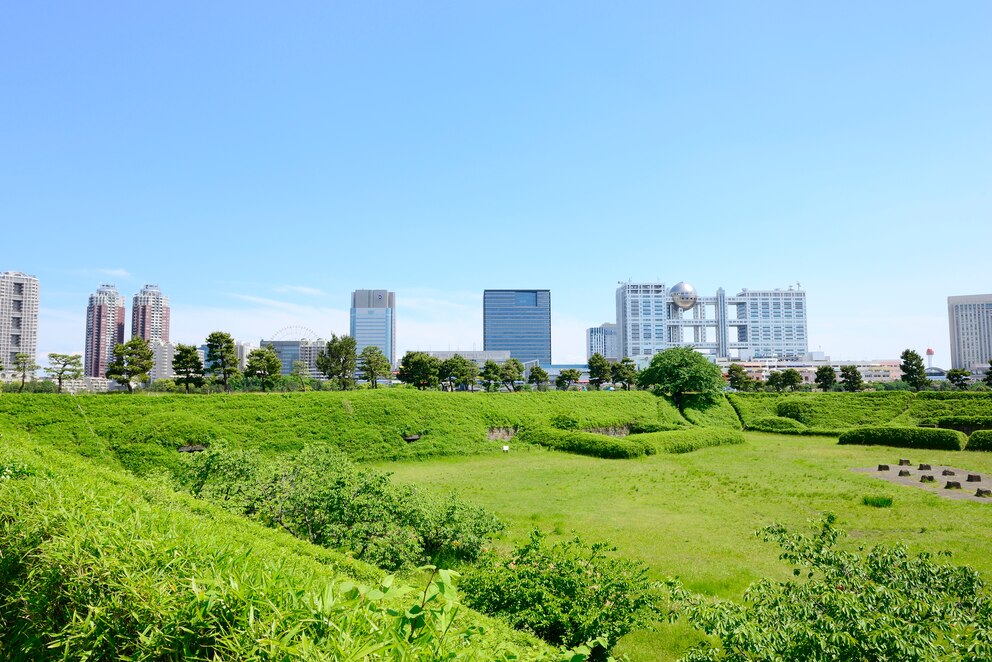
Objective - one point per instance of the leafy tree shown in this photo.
(491, 375)
(301, 372)
(459, 371)
(567, 377)
(738, 378)
(420, 369)
(775, 381)
(25, 366)
(511, 372)
(988, 375)
(958, 377)
(624, 372)
(883, 604)
(599, 370)
(566, 592)
(187, 365)
(264, 364)
(131, 363)
(850, 378)
(538, 376)
(913, 371)
(222, 359)
(681, 370)
(337, 362)
(826, 377)
(64, 366)
(373, 365)
(792, 379)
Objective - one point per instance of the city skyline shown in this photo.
(279, 160)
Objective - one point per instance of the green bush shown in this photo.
(686, 441)
(710, 412)
(585, 443)
(877, 501)
(777, 424)
(566, 593)
(906, 438)
(643, 427)
(980, 440)
(798, 409)
(930, 406)
(322, 497)
(846, 605)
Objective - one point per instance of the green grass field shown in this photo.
(694, 515)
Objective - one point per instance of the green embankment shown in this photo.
(143, 432)
(821, 413)
(98, 564)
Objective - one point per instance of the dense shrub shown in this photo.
(778, 424)
(930, 406)
(643, 427)
(980, 440)
(798, 409)
(906, 437)
(686, 441)
(880, 605)
(585, 443)
(322, 497)
(566, 593)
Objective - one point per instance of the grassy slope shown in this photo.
(828, 412)
(143, 432)
(694, 515)
(79, 533)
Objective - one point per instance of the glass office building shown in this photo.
(373, 321)
(518, 321)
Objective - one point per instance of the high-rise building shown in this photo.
(602, 339)
(970, 321)
(373, 321)
(518, 321)
(19, 297)
(150, 314)
(104, 329)
(752, 325)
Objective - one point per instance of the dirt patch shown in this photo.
(501, 434)
(912, 476)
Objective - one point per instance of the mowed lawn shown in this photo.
(694, 515)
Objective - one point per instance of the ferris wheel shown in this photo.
(295, 333)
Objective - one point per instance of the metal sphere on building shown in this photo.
(683, 295)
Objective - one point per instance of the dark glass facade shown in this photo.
(518, 321)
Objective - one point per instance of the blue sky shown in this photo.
(260, 161)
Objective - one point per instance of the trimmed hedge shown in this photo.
(586, 443)
(934, 438)
(778, 424)
(686, 441)
(644, 427)
(980, 440)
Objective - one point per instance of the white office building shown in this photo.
(970, 321)
(603, 340)
(754, 324)
(19, 299)
(373, 321)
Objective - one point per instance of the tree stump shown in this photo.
(974, 478)
(926, 479)
(947, 472)
(883, 467)
(983, 493)
(904, 472)
(925, 467)
(953, 485)
(903, 463)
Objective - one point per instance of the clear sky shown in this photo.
(260, 160)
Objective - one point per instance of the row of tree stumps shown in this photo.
(926, 477)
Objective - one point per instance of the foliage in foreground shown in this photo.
(906, 437)
(879, 605)
(567, 592)
(322, 497)
(98, 565)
